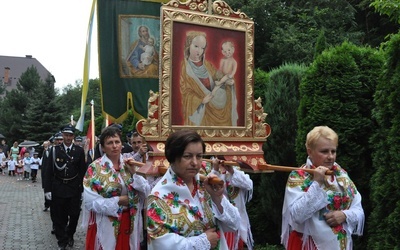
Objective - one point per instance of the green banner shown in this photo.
(129, 45)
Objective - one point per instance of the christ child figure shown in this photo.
(227, 66)
(147, 56)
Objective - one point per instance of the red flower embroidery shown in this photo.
(152, 213)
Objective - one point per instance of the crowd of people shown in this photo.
(20, 162)
(183, 208)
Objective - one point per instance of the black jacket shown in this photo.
(63, 173)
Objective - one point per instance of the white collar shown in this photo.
(66, 148)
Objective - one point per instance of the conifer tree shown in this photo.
(16, 102)
(385, 197)
(43, 116)
(320, 44)
(281, 99)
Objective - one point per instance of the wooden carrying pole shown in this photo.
(274, 167)
(290, 169)
(231, 163)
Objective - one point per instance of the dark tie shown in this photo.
(68, 151)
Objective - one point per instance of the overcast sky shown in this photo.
(52, 31)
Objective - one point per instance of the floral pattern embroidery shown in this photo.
(302, 175)
(172, 199)
(339, 230)
(340, 201)
(169, 212)
(104, 180)
(194, 210)
(232, 192)
(337, 200)
(178, 181)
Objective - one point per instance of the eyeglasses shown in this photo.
(189, 157)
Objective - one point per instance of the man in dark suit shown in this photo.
(63, 186)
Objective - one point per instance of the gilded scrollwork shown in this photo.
(222, 8)
(160, 147)
(220, 147)
(150, 126)
(194, 5)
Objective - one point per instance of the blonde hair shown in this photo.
(228, 43)
(318, 132)
(189, 39)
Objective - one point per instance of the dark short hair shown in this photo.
(116, 125)
(177, 142)
(136, 134)
(109, 131)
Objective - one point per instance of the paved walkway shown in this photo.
(23, 224)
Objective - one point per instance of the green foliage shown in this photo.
(269, 247)
(287, 31)
(11, 115)
(15, 105)
(35, 111)
(321, 43)
(337, 91)
(70, 101)
(42, 116)
(2, 90)
(260, 80)
(281, 102)
(281, 99)
(129, 124)
(390, 8)
(375, 27)
(385, 217)
(29, 81)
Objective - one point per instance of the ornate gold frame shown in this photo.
(242, 144)
(222, 18)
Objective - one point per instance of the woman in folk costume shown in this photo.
(239, 191)
(113, 198)
(182, 212)
(321, 211)
(197, 81)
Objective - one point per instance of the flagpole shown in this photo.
(107, 121)
(86, 68)
(92, 123)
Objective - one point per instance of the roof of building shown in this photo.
(12, 67)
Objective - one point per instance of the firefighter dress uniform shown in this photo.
(63, 179)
